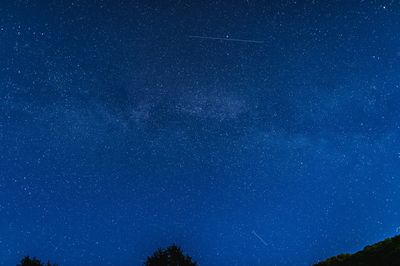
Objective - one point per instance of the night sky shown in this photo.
(121, 133)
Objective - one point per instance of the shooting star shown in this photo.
(259, 238)
(224, 39)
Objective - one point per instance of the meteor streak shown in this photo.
(224, 39)
(259, 238)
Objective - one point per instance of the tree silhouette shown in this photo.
(171, 256)
(27, 261)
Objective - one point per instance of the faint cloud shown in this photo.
(141, 112)
(213, 106)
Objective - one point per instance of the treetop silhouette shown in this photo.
(171, 256)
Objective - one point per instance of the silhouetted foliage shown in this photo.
(171, 256)
(385, 253)
(27, 261)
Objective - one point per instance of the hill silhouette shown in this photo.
(386, 252)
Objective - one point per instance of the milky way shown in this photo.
(119, 134)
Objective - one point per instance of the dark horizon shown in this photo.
(248, 133)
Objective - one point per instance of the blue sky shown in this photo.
(120, 134)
